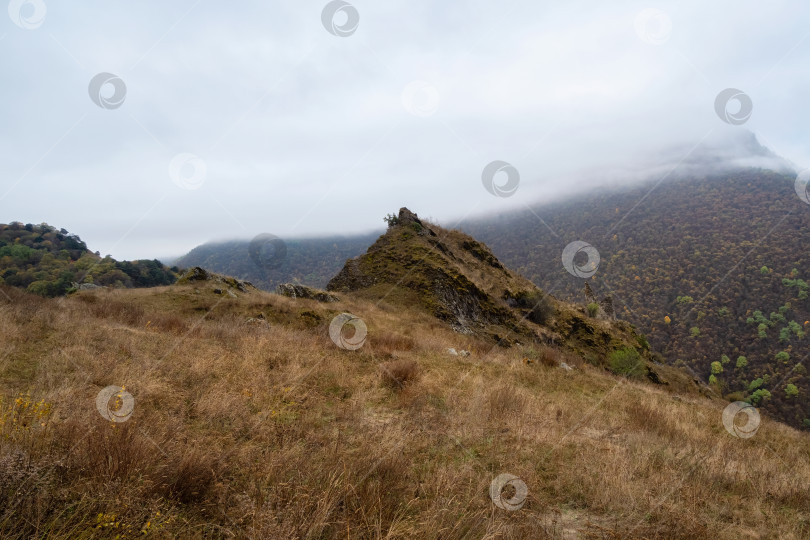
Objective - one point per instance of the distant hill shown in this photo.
(311, 262)
(713, 269)
(50, 262)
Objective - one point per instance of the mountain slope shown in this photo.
(710, 268)
(233, 413)
(310, 261)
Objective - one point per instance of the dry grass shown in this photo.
(399, 373)
(267, 430)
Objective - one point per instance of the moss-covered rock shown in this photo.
(294, 290)
(198, 274)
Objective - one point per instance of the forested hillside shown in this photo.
(50, 262)
(714, 270)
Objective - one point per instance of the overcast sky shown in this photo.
(299, 132)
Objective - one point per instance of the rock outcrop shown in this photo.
(85, 286)
(294, 290)
(605, 306)
(200, 274)
(590, 298)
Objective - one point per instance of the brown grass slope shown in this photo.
(249, 422)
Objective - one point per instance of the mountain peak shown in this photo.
(450, 274)
(732, 150)
(405, 216)
(457, 279)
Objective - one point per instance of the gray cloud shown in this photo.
(304, 133)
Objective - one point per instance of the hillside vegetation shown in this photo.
(239, 413)
(712, 270)
(51, 262)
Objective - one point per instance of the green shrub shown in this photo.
(741, 362)
(391, 220)
(627, 362)
(761, 319)
(759, 395)
(593, 309)
(756, 383)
